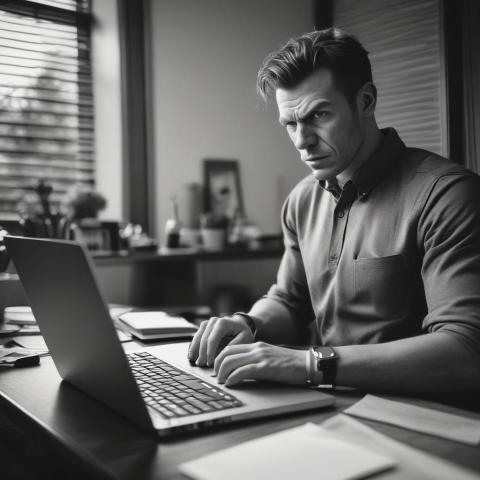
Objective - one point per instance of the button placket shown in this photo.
(340, 218)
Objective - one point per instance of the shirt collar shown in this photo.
(382, 161)
(374, 169)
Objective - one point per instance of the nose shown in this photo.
(305, 137)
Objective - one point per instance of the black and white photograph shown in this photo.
(239, 239)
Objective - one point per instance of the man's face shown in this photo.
(324, 127)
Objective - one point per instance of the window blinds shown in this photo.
(46, 106)
(405, 44)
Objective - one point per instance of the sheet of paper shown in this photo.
(420, 419)
(303, 452)
(411, 462)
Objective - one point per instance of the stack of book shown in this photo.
(21, 317)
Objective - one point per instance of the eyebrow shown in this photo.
(313, 107)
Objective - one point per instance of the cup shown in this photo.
(213, 238)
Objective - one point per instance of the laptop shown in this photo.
(154, 387)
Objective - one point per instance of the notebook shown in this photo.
(155, 325)
(59, 280)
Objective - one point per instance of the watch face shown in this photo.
(324, 352)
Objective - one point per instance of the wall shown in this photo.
(205, 57)
(107, 99)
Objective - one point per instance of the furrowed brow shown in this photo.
(312, 108)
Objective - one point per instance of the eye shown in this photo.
(291, 126)
(320, 115)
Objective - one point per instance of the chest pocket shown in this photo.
(380, 286)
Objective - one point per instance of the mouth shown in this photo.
(316, 162)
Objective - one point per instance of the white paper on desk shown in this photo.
(420, 419)
(411, 462)
(307, 451)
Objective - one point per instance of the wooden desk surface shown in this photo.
(101, 444)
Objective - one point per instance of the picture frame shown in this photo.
(223, 190)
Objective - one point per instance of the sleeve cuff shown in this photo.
(250, 322)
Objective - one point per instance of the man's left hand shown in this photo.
(260, 361)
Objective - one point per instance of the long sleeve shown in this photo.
(449, 231)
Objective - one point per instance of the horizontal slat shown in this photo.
(41, 124)
(32, 69)
(54, 58)
(49, 50)
(30, 112)
(50, 134)
(50, 174)
(65, 165)
(13, 25)
(15, 159)
(45, 101)
(30, 35)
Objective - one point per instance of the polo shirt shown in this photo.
(393, 254)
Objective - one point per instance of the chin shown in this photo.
(322, 174)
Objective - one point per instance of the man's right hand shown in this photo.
(214, 334)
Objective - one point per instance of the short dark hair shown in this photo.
(332, 48)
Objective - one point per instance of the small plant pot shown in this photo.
(213, 238)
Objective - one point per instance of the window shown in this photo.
(46, 105)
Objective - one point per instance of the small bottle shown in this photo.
(173, 226)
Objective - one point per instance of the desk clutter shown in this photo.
(16, 354)
(19, 320)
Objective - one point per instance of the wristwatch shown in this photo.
(325, 361)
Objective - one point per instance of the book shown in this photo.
(19, 315)
(153, 325)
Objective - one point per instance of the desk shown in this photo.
(93, 442)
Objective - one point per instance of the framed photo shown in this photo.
(223, 192)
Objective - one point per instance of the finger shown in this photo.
(231, 363)
(244, 337)
(228, 340)
(223, 333)
(220, 336)
(230, 350)
(251, 371)
(195, 343)
(202, 351)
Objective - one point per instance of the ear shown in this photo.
(367, 99)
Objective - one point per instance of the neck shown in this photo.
(372, 139)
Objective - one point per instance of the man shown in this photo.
(382, 246)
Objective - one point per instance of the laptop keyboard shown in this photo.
(173, 392)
